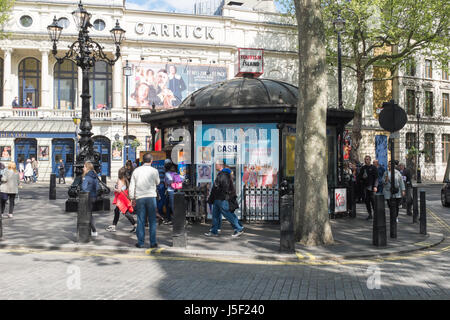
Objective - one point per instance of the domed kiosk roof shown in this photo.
(243, 92)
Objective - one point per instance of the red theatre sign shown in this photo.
(250, 61)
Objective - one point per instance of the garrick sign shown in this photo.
(175, 31)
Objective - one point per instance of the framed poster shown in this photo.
(43, 153)
(117, 154)
(340, 198)
(5, 153)
(204, 172)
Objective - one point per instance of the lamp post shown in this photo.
(84, 52)
(126, 72)
(339, 25)
(419, 176)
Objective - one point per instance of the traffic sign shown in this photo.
(392, 117)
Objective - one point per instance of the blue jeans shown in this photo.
(146, 207)
(221, 207)
(170, 200)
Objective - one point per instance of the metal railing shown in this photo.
(260, 204)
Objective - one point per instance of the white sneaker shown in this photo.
(94, 234)
(111, 228)
(10, 215)
(397, 220)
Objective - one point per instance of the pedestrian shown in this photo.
(143, 195)
(10, 187)
(35, 166)
(129, 170)
(21, 170)
(28, 173)
(122, 202)
(407, 180)
(173, 181)
(380, 172)
(368, 176)
(222, 198)
(15, 103)
(90, 184)
(28, 103)
(393, 197)
(61, 171)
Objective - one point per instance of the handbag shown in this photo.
(102, 189)
(233, 204)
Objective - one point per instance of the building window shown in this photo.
(410, 140)
(65, 85)
(445, 72)
(100, 86)
(411, 102)
(26, 21)
(99, 25)
(29, 82)
(429, 148)
(428, 69)
(63, 22)
(445, 105)
(410, 67)
(429, 103)
(445, 147)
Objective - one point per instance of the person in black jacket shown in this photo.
(222, 198)
(406, 174)
(368, 177)
(61, 171)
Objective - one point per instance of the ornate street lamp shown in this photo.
(84, 53)
(339, 25)
(127, 71)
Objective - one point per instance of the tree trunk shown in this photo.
(357, 119)
(312, 225)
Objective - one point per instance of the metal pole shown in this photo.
(415, 205)
(341, 106)
(126, 116)
(423, 213)
(392, 201)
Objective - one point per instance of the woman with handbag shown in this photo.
(90, 184)
(9, 188)
(122, 202)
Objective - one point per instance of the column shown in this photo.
(7, 88)
(117, 84)
(46, 102)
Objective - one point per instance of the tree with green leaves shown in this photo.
(5, 10)
(382, 34)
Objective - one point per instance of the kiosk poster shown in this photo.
(340, 200)
(167, 85)
(5, 152)
(116, 153)
(43, 153)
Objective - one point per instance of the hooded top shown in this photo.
(90, 184)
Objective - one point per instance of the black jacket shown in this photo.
(223, 188)
(368, 176)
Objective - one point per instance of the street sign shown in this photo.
(392, 117)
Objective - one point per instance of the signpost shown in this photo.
(392, 118)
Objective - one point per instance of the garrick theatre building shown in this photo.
(171, 56)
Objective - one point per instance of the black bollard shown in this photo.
(1, 226)
(379, 222)
(106, 200)
(287, 239)
(393, 218)
(84, 218)
(52, 192)
(179, 236)
(415, 205)
(423, 213)
(352, 201)
(408, 200)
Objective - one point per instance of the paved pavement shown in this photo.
(40, 223)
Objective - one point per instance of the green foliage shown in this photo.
(117, 144)
(5, 10)
(135, 143)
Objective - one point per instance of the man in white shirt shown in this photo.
(142, 192)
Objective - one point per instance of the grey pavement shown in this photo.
(42, 224)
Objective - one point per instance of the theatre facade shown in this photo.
(171, 55)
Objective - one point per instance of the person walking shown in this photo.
(393, 198)
(28, 173)
(10, 187)
(368, 175)
(129, 170)
(173, 181)
(35, 166)
(143, 195)
(61, 172)
(380, 172)
(408, 199)
(221, 197)
(90, 184)
(21, 170)
(122, 202)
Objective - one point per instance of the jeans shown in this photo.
(169, 212)
(146, 207)
(12, 197)
(62, 176)
(221, 207)
(370, 201)
(91, 206)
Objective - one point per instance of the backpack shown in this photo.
(177, 181)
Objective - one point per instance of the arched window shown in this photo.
(1, 82)
(29, 81)
(100, 86)
(65, 85)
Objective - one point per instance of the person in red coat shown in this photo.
(122, 202)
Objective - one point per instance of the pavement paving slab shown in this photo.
(40, 223)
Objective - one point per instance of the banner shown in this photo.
(167, 85)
